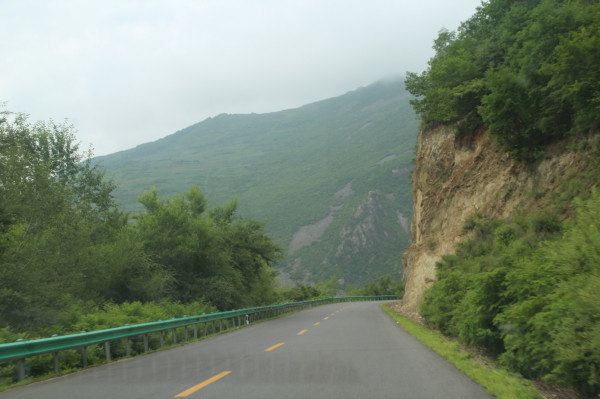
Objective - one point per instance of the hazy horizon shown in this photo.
(129, 73)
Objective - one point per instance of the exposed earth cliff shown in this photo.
(456, 179)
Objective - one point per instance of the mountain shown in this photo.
(330, 179)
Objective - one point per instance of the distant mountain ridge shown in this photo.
(330, 179)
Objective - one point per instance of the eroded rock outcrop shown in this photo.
(455, 179)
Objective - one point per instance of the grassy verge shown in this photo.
(498, 382)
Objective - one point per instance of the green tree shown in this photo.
(528, 70)
(211, 254)
(62, 240)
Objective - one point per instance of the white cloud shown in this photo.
(130, 72)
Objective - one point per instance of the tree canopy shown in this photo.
(66, 248)
(526, 290)
(527, 70)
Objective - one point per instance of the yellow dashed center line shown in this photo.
(272, 348)
(302, 332)
(203, 384)
(317, 323)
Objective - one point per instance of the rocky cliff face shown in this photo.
(360, 238)
(454, 180)
(374, 221)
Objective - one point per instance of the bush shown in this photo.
(527, 290)
(383, 286)
(529, 70)
(301, 292)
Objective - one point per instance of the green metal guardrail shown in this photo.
(19, 350)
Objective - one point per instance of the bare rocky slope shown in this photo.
(455, 179)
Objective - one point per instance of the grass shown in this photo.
(498, 382)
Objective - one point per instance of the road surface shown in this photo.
(348, 350)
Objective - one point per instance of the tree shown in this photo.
(529, 71)
(62, 240)
(211, 254)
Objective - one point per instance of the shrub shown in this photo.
(528, 292)
(528, 70)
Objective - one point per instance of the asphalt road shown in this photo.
(324, 352)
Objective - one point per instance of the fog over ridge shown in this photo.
(130, 72)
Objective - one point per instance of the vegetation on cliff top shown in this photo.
(527, 70)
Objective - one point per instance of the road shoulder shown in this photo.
(496, 381)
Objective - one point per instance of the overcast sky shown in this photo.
(127, 72)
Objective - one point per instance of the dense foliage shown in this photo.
(67, 251)
(524, 289)
(382, 286)
(527, 291)
(304, 292)
(528, 70)
(288, 169)
(210, 254)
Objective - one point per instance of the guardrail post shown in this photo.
(195, 331)
(174, 335)
(185, 333)
(107, 350)
(162, 338)
(21, 369)
(55, 363)
(146, 343)
(127, 343)
(83, 351)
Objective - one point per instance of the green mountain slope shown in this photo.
(331, 179)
